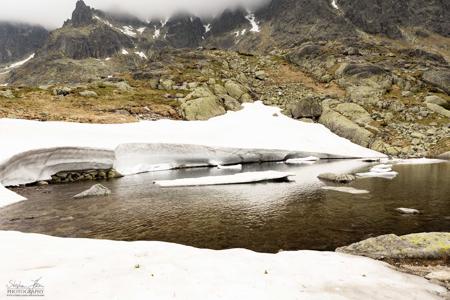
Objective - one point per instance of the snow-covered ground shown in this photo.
(32, 150)
(100, 269)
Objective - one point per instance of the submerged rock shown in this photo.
(338, 178)
(94, 191)
(434, 245)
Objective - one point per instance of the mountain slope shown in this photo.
(19, 40)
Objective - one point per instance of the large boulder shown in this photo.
(436, 100)
(438, 78)
(434, 245)
(344, 127)
(354, 112)
(88, 94)
(234, 89)
(230, 103)
(202, 108)
(359, 70)
(439, 109)
(306, 108)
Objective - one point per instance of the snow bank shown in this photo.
(247, 177)
(41, 164)
(100, 269)
(257, 133)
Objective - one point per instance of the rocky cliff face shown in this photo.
(389, 16)
(19, 40)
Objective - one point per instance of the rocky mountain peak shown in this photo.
(82, 15)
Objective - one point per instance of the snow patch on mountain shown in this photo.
(334, 4)
(141, 30)
(252, 19)
(157, 33)
(128, 30)
(207, 28)
(141, 54)
(17, 64)
(124, 52)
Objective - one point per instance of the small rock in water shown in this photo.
(94, 191)
(408, 211)
(339, 178)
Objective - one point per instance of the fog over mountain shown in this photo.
(52, 13)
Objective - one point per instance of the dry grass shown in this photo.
(112, 106)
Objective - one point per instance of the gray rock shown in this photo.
(344, 127)
(64, 91)
(261, 75)
(200, 92)
(166, 84)
(234, 89)
(438, 109)
(245, 98)
(306, 108)
(435, 100)
(123, 86)
(7, 94)
(94, 191)
(445, 155)
(433, 245)
(202, 108)
(359, 70)
(354, 112)
(438, 78)
(219, 89)
(88, 94)
(338, 178)
(230, 103)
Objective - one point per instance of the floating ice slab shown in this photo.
(381, 168)
(378, 174)
(345, 189)
(420, 161)
(99, 269)
(248, 177)
(407, 211)
(304, 160)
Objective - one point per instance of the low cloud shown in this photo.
(52, 13)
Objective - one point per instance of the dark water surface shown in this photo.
(263, 217)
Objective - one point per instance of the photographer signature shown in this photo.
(12, 284)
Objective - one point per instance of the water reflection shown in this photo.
(262, 217)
